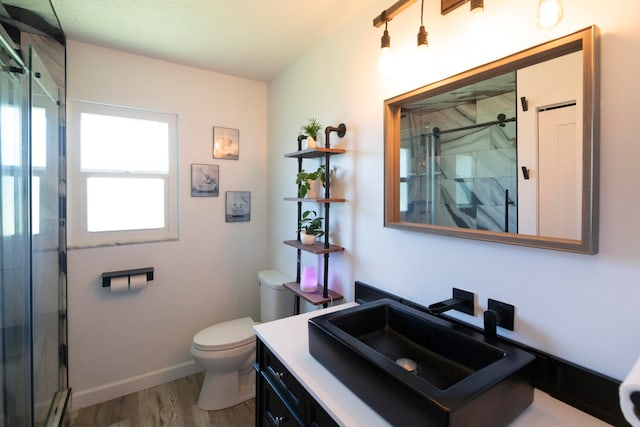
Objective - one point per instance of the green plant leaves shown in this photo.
(311, 223)
(303, 178)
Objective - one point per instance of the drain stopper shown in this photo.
(407, 364)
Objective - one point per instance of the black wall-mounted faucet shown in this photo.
(463, 301)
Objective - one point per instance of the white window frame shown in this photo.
(78, 235)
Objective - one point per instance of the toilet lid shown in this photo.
(231, 334)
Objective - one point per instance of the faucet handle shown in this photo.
(492, 318)
(506, 313)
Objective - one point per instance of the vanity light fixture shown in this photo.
(422, 33)
(385, 51)
(387, 15)
(549, 13)
(477, 27)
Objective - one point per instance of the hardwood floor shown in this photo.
(171, 404)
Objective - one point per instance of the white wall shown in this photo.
(582, 308)
(125, 342)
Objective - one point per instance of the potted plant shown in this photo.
(307, 180)
(311, 129)
(310, 227)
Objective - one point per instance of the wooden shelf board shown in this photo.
(317, 248)
(320, 200)
(314, 297)
(311, 153)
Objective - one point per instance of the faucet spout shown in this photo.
(446, 305)
(462, 301)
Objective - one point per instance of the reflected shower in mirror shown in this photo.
(505, 152)
(458, 157)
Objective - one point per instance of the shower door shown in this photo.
(48, 280)
(15, 250)
(32, 262)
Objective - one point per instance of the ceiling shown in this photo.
(254, 39)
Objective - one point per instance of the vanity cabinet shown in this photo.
(323, 296)
(280, 399)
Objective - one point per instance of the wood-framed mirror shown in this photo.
(506, 152)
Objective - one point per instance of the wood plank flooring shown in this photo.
(171, 404)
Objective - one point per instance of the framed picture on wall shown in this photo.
(226, 143)
(205, 180)
(238, 206)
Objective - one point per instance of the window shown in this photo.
(122, 171)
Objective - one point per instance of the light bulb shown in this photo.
(549, 13)
(477, 28)
(422, 59)
(385, 63)
(423, 50)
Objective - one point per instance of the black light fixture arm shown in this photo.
(446, 6)
(388, 14)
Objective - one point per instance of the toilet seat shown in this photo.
(225, 335)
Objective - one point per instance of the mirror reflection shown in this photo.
(503, 152)
(458, 157)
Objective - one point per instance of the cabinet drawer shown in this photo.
(274, 412)
(318, 417)
(283, 381)
(280, 399)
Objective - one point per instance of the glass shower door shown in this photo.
(15, 249)
(47, 277)
(32, 282)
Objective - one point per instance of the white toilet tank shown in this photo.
(276, 301)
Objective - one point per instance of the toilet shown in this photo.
(227, 350)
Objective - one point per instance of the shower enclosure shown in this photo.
(33, 371)
(458, 157)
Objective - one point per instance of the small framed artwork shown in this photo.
(205, 180)
(226, 143)
(238, 206)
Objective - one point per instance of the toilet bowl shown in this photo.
(227, 350)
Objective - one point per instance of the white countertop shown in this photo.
(288, 339)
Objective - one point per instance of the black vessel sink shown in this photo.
(414, 368)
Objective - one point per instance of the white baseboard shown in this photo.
(88, 397)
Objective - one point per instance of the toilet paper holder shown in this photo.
(106, 277)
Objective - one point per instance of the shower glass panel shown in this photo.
(33, 377)
(15, 250)
(47, 303)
